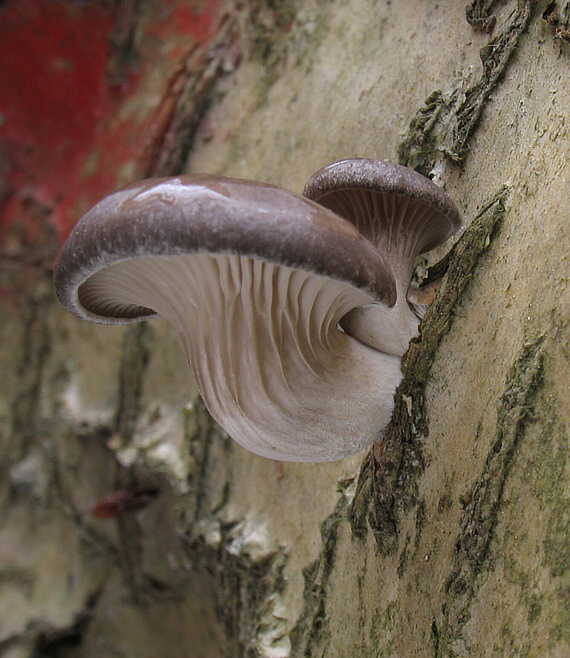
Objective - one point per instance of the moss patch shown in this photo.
(447, 121)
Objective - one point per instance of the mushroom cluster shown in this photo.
(292, 310)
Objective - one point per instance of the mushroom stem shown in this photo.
(387, 330)
(387, 225)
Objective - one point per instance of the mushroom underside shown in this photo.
(265, 345)
(401, 227)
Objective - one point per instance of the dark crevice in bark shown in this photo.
(311, 627)
(515, 411)
(387, 484)
(244, 585)
(205, 444)
(27, 250)
(557, 17)
(36, 349)
(479, 14)
(28, 431)
(124, 57)
(54, 643)
(190, 94)
(137, 343)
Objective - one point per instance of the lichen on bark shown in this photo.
(447, 121)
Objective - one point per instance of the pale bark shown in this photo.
(450, 538)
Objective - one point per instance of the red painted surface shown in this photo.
(63, 132)
(195, 19)
(123, 501)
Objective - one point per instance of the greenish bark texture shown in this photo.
(132, 525)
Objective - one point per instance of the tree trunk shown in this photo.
(131, 525)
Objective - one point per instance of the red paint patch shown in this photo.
(123, 501)
(60, 128)
(53, 96)
(194, 19)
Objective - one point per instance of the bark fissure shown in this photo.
(447, 121)
(136, 353)
(246, 587)
(516, 408)
(247, 581)
(311, 626)
(36, 349)
(557, 19)
(479, 14)
(188, 98)
(387, 484)
(205, 501)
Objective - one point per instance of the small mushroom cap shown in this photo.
(404, 214)
(211, 214)
(372, 192)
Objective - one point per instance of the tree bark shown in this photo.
(131, 525)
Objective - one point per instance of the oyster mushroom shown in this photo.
(403, 214)
(256, 281)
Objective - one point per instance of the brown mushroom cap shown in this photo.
(209, 214)
(256, 281)
(404, 214)
(395, 207)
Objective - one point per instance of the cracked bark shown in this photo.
(447, 538)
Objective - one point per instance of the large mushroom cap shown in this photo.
(209, 214)
(394, 206)
(255, 280)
